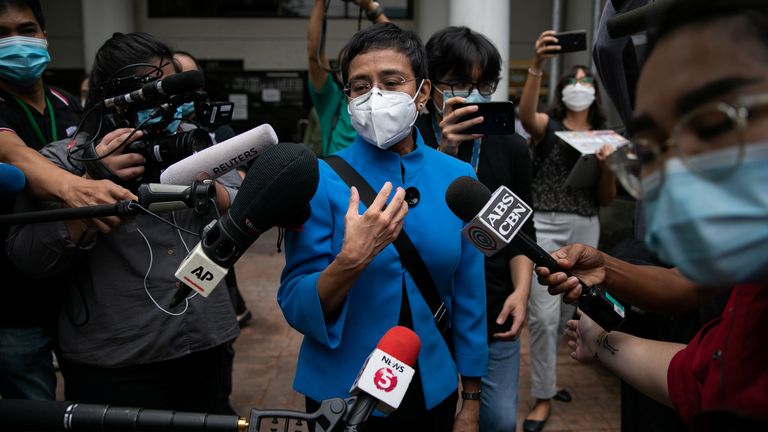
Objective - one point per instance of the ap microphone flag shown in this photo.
(388, 371)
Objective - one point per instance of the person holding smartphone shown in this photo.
(464, 66)
(561, 215)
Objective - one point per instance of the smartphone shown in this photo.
(571, 41)
(498, 118)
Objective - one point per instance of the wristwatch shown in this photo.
(375, 13)
(471, 395)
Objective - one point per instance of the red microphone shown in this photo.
(386, 374)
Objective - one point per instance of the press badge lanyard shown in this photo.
(33, 122)
(475, 159)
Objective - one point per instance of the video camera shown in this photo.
(160, 109)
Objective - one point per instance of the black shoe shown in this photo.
(562, 396)
(534, 425)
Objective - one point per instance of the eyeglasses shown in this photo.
(583, 80)
(465, 88)
(358, 87)
(696, 135)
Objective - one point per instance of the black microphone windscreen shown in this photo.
(183, 82)
(277, 189)
(466, 197)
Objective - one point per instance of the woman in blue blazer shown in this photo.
(344, 285)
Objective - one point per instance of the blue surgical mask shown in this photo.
(172, 127)
(473, 97)
(187, 109)
(714, 230)
(23, 59)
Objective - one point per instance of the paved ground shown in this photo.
(267, 348)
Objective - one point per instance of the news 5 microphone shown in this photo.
(275, 192)
(159, 90)
(221, 158)
(494, 221)
(385, 376)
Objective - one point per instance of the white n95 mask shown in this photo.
(383, 118)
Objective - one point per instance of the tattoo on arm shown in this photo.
(602, 342)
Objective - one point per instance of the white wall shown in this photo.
(273, 44)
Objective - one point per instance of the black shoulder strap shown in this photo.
(409, 255)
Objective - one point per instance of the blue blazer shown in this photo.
(333, 352)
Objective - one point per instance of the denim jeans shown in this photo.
(498, 409)
(26, 364)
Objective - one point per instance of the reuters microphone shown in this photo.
(275, 192)
(221, 158)
(386, 374)
(493, 223)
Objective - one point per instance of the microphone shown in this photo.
(157, 198)
(221, 158)
(159, 90)
(494, 221)
(276, 191)
(385, 376)
(35, 415)
(636, 20)
(12, 181)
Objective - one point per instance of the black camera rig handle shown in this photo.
(157, 198)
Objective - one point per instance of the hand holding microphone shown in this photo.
(493, 223)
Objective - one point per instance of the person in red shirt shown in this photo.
(698, 158)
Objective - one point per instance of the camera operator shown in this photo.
(119, 344)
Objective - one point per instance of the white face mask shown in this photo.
(578, 97)
(383, 118)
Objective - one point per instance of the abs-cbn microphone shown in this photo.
(275, 192)
(221, 158)
(159, 90)
(385, 376)
(12, 181)
(493, 222)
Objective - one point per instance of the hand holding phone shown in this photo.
(498, 118)
(571, 41)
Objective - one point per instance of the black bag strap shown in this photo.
(409, 255)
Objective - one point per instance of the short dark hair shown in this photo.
(383, 36)
(33, 5)
(119, 51)
(459, 50)
(557, 109)
(751, 18)
(191, 57)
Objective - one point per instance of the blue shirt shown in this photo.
(333, 352)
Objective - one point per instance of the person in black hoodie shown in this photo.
(464, 66)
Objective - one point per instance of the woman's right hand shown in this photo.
(367, 234)
(452, 131)
(544, 51)
(124, 165)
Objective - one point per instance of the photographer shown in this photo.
(562, 214)
(120, 343)
(464, 66)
